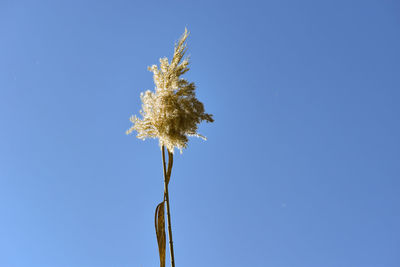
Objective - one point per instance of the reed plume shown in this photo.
(170, 113)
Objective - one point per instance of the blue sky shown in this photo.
(302, 163)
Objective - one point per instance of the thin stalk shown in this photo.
(166, 196)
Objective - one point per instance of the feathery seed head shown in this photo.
(172, 112)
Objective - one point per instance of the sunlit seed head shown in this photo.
(172, 112)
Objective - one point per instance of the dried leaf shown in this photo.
(159, 222)
(170, 162)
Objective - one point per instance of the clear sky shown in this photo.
(302, 164)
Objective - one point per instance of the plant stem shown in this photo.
(166, 195)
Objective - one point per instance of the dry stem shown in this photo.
(167, 175)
